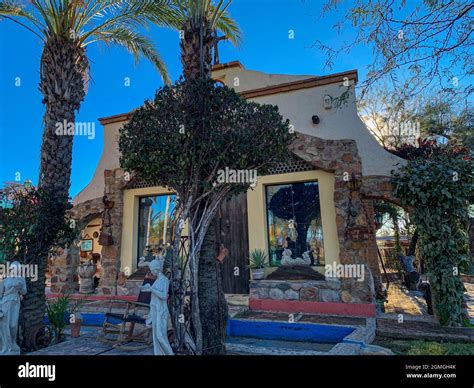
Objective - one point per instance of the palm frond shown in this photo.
(132, 13)
(13, 10)
(87, 21)
(216, 15)
(136, 44)
(228, 26)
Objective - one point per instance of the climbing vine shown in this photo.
(437, 185)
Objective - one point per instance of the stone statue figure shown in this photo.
(11, 289)
(288, 260)
(159, 314)
(146, 258)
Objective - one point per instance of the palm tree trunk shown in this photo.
(63, 65)
(196, 58)
(196, 51)
(212, 303)
(34, 307)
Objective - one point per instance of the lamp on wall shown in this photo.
(354, 183)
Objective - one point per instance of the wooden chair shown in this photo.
(124, 322)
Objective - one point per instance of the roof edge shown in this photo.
(227, 65)
(115, 118)
(265, 91)
(302, 84)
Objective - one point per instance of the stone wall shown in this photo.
(304, 290)
(115, 182)
(329, 290)
(64, 269)
(379, 187)
(371, 249)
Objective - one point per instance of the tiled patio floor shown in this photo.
(400, 301)
(404, 301)
(87, 345)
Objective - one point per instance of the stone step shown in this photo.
(237, 299)
(421, 329)
(252, 346)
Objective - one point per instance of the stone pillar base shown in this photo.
(64, 272)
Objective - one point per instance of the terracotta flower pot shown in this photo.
(76, 328)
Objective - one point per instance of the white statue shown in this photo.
(288, 260)
(145, 261)
(142, 262)
(307, 257)
(159, 314)
(11, 289)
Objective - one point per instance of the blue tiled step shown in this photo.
(302, 332)
(267, 330)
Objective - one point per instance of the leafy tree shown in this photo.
(441, 118)
(396, 118)
(416, 44)
(66, 28)
(25, 233)
(182, 139)
(388, 113)
(20, 207)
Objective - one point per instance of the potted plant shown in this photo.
(57, 311)
(258, 262)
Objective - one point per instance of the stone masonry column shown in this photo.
(115, 182)
(64, 272)
(372, 249)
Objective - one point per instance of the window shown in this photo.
(155, 222)
(294, 221)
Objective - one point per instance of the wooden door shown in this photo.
(232, 231)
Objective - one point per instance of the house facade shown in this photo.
(318, 207)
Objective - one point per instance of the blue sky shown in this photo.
(265, 47)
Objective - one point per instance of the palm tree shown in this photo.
(66, 28)
(201, 20)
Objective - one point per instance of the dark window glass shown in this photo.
(155, 223)
(294, 221)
